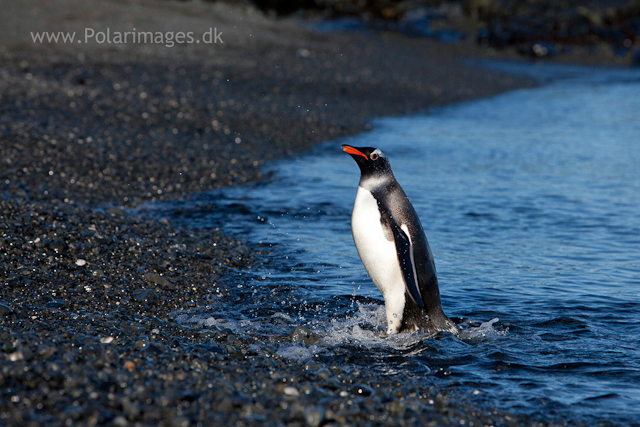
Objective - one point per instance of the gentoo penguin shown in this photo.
(393, 247)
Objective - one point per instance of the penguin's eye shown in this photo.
(373, 156)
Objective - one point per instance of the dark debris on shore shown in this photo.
(534, 28)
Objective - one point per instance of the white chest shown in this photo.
(378, 254)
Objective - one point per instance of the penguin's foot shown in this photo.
(422, 322)
(394, 321)
(393, 326)
(443, 323)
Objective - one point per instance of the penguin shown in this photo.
(394, 248)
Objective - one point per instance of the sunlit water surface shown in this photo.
(531, 203)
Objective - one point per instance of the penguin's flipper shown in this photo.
(404, 247)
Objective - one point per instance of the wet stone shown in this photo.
(26, 352)
(233, 352)
(146, 295)
(304, 335)
(140, 344)
(56, 303)
(120, 421)
(291, 391)
(361, 390)
(332, 384)
(14, 282)
(157, 279)
(103, 240)
(179, 422)
(153, 348)
(46, 352)
(207, 333)
(234, 341)
(223, 334)
(396, 407)
(314, 415)
(213, 347)
(323, 373)
(15, 356)
(58, 245)
(131, 411)
(5, 310)
(441, 403)
(116, 212)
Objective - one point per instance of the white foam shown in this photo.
(299, 353)
(237, 326)
(363, 328)
(283, 316)
(366, 328)
(482, 332)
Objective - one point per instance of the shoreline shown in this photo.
(89, 294)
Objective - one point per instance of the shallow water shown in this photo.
(531, 203)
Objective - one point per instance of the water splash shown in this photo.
(485, 331)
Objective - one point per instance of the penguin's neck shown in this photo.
(374, 180)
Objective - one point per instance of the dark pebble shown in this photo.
(179, 422)
(441, 403)
(58, 245)
(323, 373)
(158, 280)
(56, 304)
(153, 348)
(5, 310)
(361, 390)
(207, 333)
(116, 212)
(14, 282)
(146, 295)
(314, 415)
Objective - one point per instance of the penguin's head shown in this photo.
(372, 161)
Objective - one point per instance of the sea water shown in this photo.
(531, 204)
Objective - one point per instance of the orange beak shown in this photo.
(350, 150)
